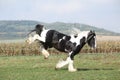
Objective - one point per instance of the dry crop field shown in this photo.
(11, 49)
(108, 38)
(109, 44)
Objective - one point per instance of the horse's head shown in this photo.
(35, 34)
(91, 39)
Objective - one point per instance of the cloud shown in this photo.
(96, 12)
(60, 8)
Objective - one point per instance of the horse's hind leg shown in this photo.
(44, 52)
(68, 61)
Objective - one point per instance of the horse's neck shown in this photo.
(82, 42)
(82, 45)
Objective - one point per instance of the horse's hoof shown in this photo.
(45, 57)
(73, 70)
(56, 68)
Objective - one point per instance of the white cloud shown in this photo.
(62, 8)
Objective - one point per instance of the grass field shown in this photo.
(90, 67)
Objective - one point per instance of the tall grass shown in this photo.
(10, 49)
(21, 48)
(104, 47)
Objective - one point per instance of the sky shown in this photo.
(99, 13)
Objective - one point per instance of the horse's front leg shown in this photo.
(70, 62)
(44, 52)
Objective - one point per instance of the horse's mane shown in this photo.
(74, 31)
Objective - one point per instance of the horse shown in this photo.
(71, 44)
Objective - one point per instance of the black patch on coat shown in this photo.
(76, 35)
(69, 46)
(57, 36)
(59, 41)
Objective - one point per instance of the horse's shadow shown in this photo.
(88, 69)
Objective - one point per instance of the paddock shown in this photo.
(90, 67)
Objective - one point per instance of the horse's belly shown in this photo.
(59, 47)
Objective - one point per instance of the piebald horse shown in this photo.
(71, 44)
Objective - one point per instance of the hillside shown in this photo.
(20, 29)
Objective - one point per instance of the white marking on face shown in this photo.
(94, 44)
(95, 41)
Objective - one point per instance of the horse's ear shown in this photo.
(92, 31)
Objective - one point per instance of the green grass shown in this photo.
(90, 67)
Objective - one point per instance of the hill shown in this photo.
(19, 29)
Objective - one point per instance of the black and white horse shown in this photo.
(69, 44)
